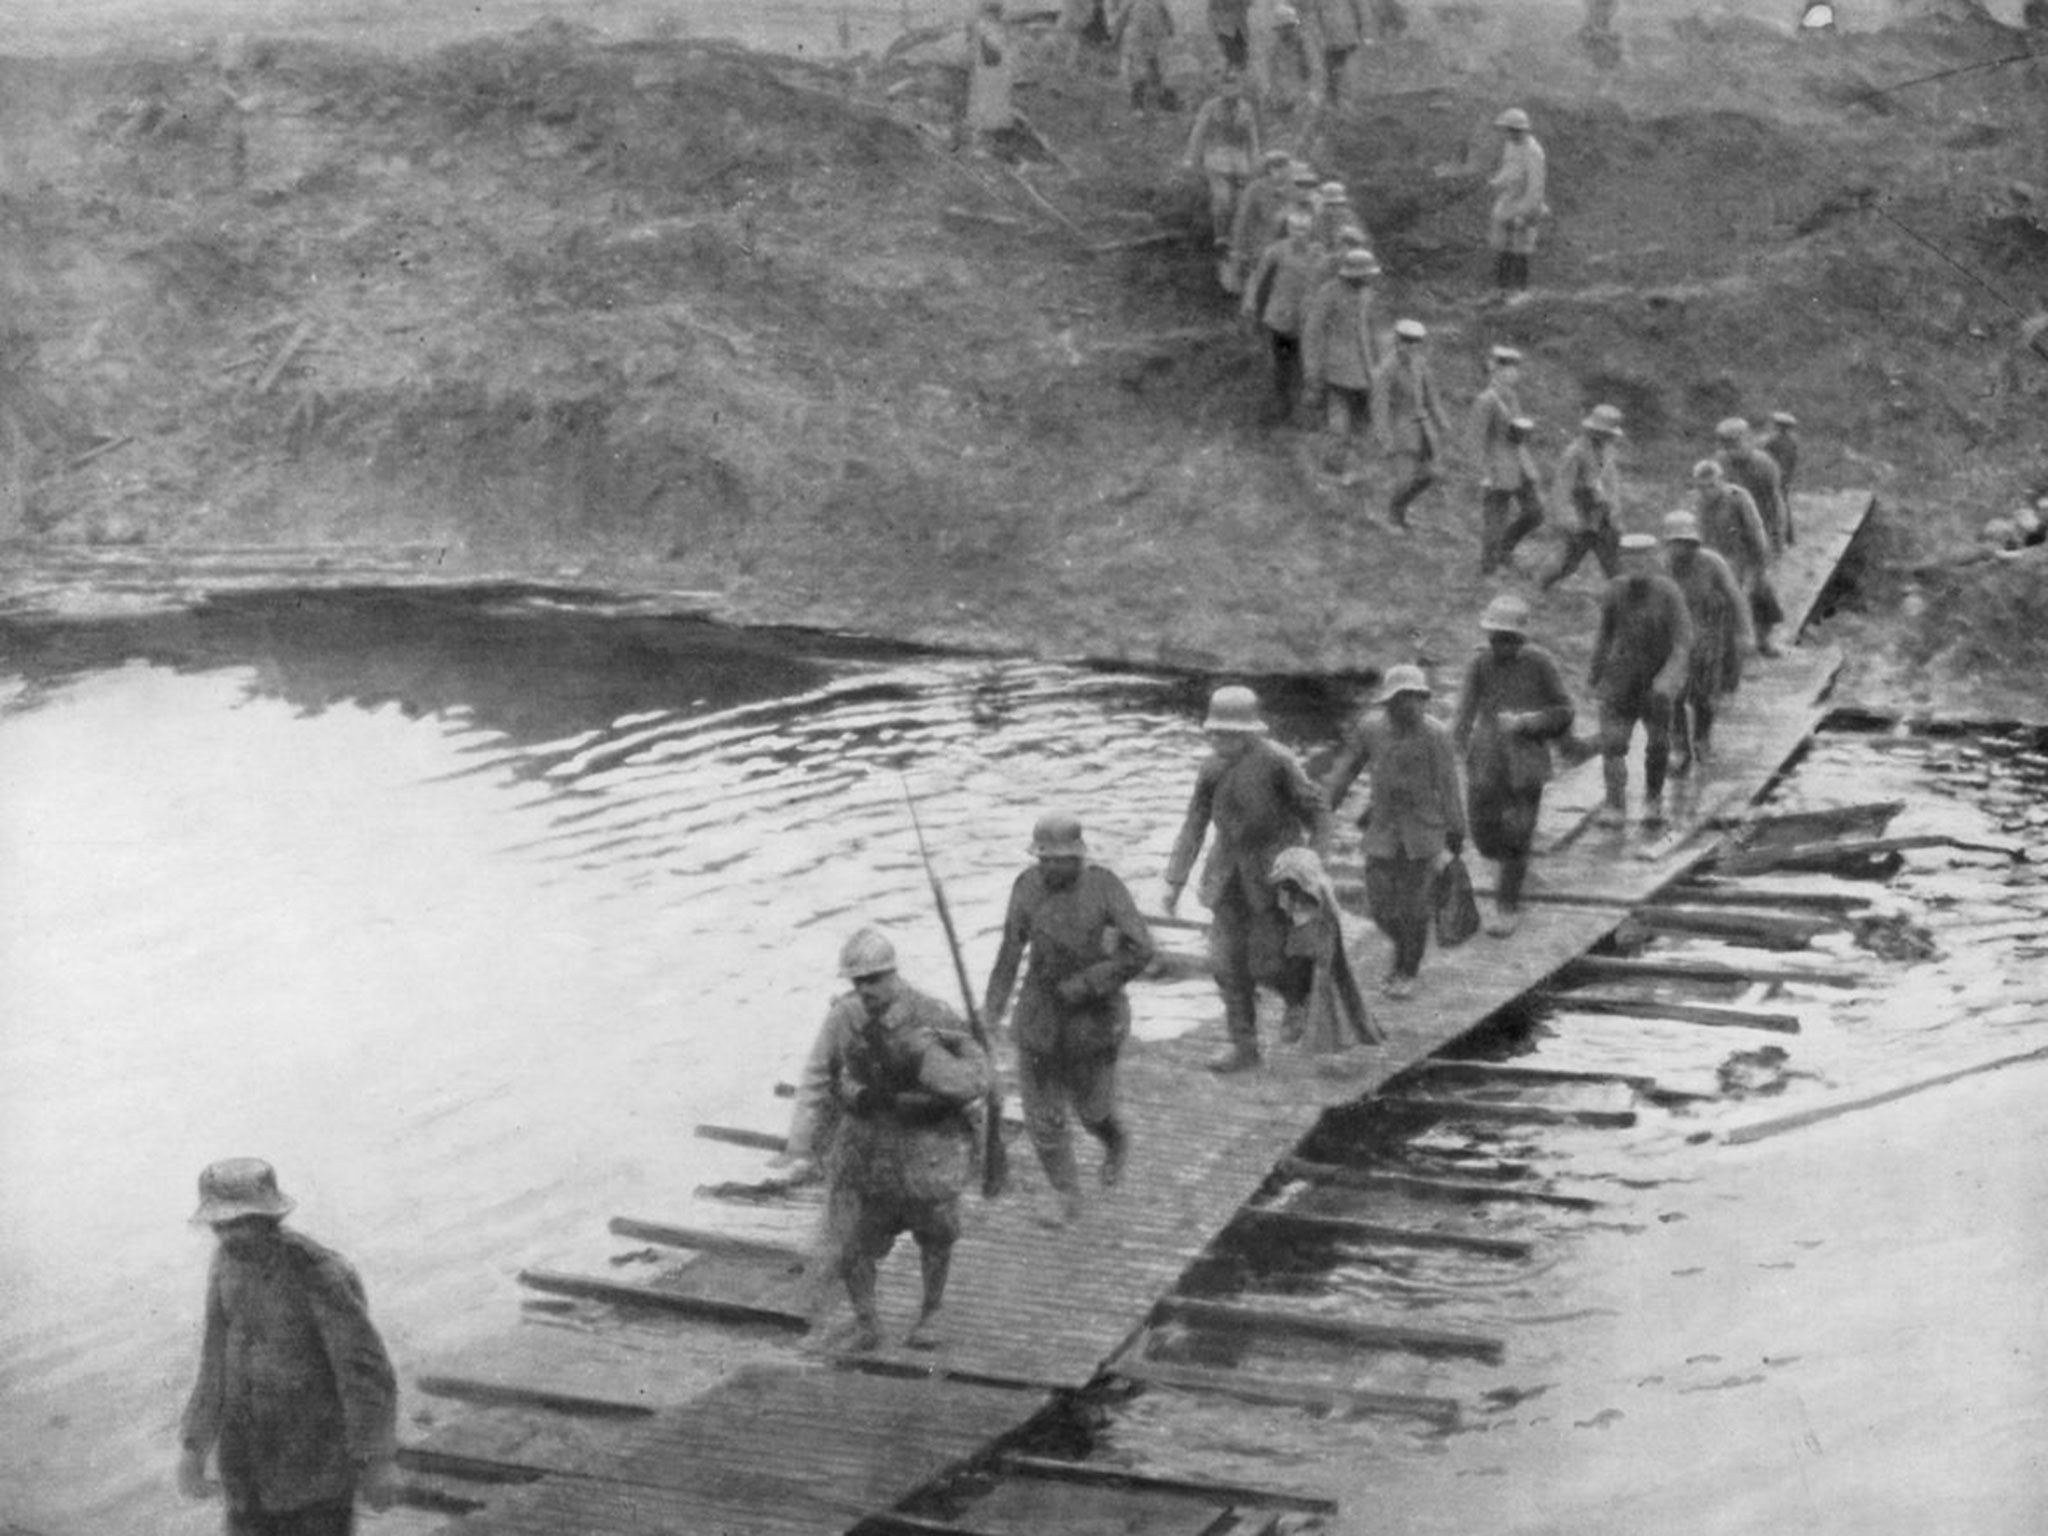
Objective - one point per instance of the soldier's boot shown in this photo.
(1614, 774)
(864, 1334)
(1116, 1151)
(1765, 645)
(928, 1331)
(1240, 1019)
(1656, 761)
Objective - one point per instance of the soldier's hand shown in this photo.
(1073, 990)
(193, 1482)
(1172, 900)
(1454, 843)
(377, 1488)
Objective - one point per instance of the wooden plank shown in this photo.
(1281, 1392)
(1766, 930)
(1533, 1114)
(704, 1240)
(1757, 1130)
(1352, 1228)
(1418, 1184)
(1223, 1493)
(1717, 1015)
(1240, 1317)
(1705, 891)
(511, 1394)
(625, 1293)
(1675, 968)
(1030, 1505)
(764, 1141)
(1519, 1072)
(1829, 855)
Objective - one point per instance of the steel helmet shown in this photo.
(1234, 708)
(1058, 836)
(1732, 429)
(867, 953)
(1410, 330)
(1514, 119)
(1636, 543)
(238, 1187)
(1358, 262)
(1402, 679)
(1507, 614)
(1707, 471)
(1681, 525)
(1603, 418)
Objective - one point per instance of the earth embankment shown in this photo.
(666, 313)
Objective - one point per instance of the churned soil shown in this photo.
(651, 312)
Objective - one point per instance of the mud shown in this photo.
(640, 311)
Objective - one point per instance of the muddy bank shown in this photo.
(661, 314)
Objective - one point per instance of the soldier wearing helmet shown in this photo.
(1075, 931)
(1510, 494)
(1277, 297)
(1519, 205)
(1732, 526)
(886, 1102)
(1721, 634)
(1257, 221)
(1512, 706)
(1258, 800)
(1341, 349)
(1591, 479)
(1224, 144)
(296, 1402)
(1642, 657)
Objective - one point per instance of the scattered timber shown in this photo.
(1281, 1392)
(1418, 1184)
(1124, 1477)
(762, 1141)
(1719, 1015)
(705, 1241)
(1826, 857)
(1765, 930)
(1630, 968)
(1239, 1317)
(625, 1293)
(1787, 828)
(1530, 1114)
(502, 1394)
(1707, 892)
(1349, 1228)
(1757, 1130)
(1514, 1071)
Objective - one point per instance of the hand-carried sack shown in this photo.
(1452, 904)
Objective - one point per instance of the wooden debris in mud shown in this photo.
(1719, 1015)
(1674, 968)
(1346, 1177)
(1240, 1317)
(1279, 1391)
(1352, 1229)
(710, 1308)
(1763, 929)
(1757, 1130)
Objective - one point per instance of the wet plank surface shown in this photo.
(791, 1449)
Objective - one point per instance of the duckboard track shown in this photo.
(787, 1446)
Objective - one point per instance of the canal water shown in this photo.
(465, 911)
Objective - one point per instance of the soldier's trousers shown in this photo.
(1049, 1082)
(1248, 948)
(336, 1517)
(1506, 518)
(1503, 822)
(1618, 727)
(1603, 542)
(1397, 893)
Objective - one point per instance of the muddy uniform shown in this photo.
(1415, 814)
(1258, 803)
(1591, 480)
(1230, 24)
(1339, 28)
(1412, 425)
(1340, 352)
(1641, 660)
(1280, 290)
(1507, 766)
(1085, 943)
(1721, 635)
(1224, 142)
(1757, 473)
(1143, 30)
(1519, 191)
(1257, 224)
(296, 1395)
(1511, 505)
(1783, 449)
(887, 1103)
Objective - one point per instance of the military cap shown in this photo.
(1731, 429)
(1505, 355)
(1410, 330)
(1514, 119)
(1638, 542)
(1681, 525)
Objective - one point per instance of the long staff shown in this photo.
(995, 1157)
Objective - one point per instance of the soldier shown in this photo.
(1289, 76)
(1757, 473)
(1340, 354)
(886, 1101)
(1519, 205)
(1732, 527)
(1641, 659)
(1224, 142)
(1230, 25)
(1340, 28)
(1591, 478)
(296, 1401)
(1411, 419)
(1259, 801)
(1333, 213)
(1257, 221)
(1511, 504)
(991, 75)
(1142, 30)
(1416, 815)
(1085, 942)
(1782, 444)
(1512, 706)
(1277, 297)
(1719, 609)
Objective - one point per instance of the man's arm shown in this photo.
(363, 1377)
(1603, 642)
(1553, 717)
(1125, 936)
(1467, 715)
(1351, 761)
(1193, 828)
(1306, 800)
(1002, 977)
(817, 1096)
(200, 1426)
(1443, 764)
(1670, 679)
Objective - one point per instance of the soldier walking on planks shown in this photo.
(1512, 706)
(1591, 479)
(1077, 933)
(1641, 659)
(296, 1401)
(1511, 504)
(1757, 473)
(1259, 218)
(1782, 444)
(1731, 526)
(1277, 296)
(1415, 820)
(1411, 419)
(1720, 636)
(1258, 800)
(1340, 354)
(886, 1101)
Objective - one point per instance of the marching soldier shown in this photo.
(1641, 659)
(1720, 635)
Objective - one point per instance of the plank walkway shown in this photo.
(806, 1447)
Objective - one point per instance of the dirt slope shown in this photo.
(666, 313)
